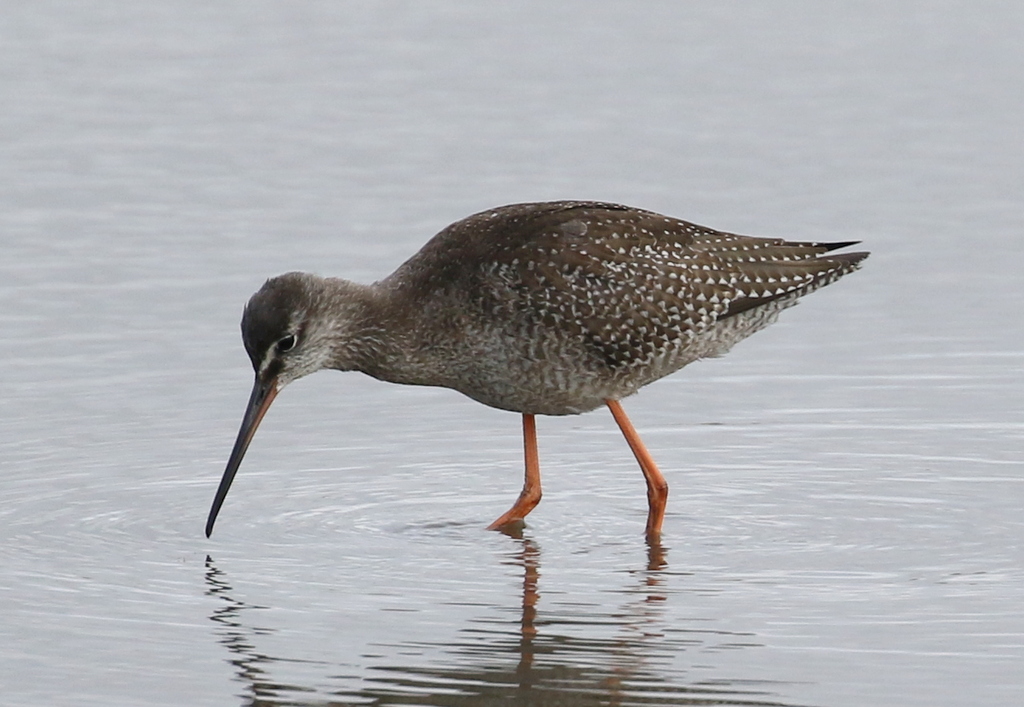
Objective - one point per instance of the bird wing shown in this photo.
(634, 284)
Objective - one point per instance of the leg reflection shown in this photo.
(640, 623)
(529, 557)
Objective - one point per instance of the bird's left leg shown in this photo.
(530, 495)
(657, 487)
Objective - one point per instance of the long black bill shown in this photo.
(263, 393)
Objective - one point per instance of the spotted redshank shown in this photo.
(547, 308)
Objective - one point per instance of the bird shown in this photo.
(546, 308)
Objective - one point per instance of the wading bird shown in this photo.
(551, 308)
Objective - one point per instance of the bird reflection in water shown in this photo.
(549, 665)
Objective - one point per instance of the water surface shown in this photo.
(844, 526)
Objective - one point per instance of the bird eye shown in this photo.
(286, 344)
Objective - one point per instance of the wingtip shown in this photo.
(852, 261)
(837, 246)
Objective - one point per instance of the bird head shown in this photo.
(287, 337)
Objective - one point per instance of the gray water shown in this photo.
(845, 525)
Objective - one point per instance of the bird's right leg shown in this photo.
(530, 495)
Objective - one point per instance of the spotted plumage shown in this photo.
(553, 308)
(547, 308)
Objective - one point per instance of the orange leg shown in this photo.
(657, 487)
(530, 495)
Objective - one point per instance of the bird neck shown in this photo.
(374, 330)
(359, 328)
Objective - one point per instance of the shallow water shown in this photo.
(844, 526)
